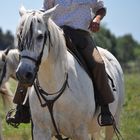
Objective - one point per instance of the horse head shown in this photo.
(32, 37)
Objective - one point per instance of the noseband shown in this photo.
(36, 61)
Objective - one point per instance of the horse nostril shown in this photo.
(29, 75)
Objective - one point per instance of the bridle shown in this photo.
(36, 61)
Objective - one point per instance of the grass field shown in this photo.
(130, 118)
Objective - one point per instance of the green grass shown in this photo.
(130, 118)
(23, 132)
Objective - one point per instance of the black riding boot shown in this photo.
(106, 116)
(19, 115)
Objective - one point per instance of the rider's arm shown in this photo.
(99, 12)
(99, 15)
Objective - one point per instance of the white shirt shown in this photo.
(74, 13)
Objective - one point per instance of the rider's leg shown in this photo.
(87, 48)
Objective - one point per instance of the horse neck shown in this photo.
(52, 72)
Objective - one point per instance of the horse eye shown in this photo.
(40, 37)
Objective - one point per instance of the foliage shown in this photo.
(130, 120)
(124, 48)
(6, 40)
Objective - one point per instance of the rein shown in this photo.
(41, 94)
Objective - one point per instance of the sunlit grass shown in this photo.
(130, 123)
(23, 132)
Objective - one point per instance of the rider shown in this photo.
(76, 17)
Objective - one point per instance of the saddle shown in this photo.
(78, 56)
(73, 50)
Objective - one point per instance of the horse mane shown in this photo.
(25, 28)
(13, 53)
(13, 56)
(57, 40)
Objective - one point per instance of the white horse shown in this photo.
(62, 97)
(8, 65)
(5, 91)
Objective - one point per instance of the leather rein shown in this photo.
(42, 96)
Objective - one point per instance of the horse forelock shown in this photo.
(25, 29)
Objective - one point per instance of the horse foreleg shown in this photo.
(109, 132)
(81, 133)
(96, 136)
(41, 134)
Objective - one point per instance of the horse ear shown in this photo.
(6, 51)
(22, 10)
(3, 57)
(49, 13)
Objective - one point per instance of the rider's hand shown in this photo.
(95, 25)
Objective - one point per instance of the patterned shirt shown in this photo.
(74, 13)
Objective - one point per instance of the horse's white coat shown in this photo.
(74, 111)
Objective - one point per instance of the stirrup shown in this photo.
(116, 130)
(100, 123)
(9, 114)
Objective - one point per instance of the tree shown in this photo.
(6, 40)
(125, 48)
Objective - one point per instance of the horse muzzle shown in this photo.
(26, 74)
